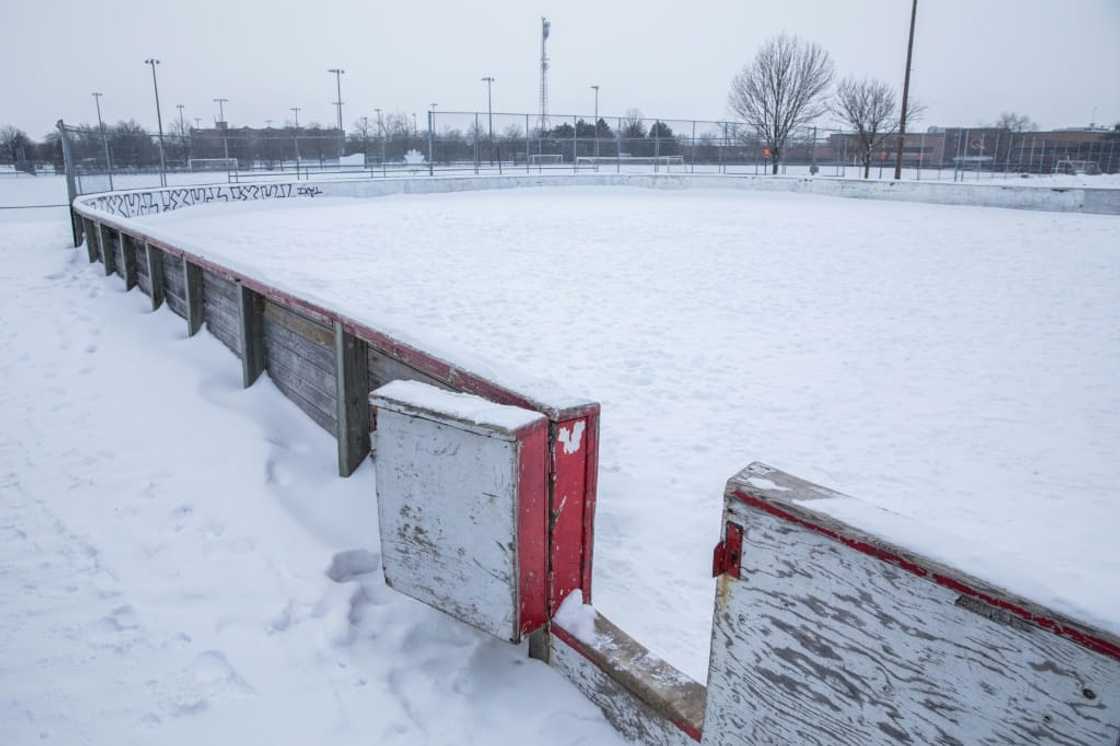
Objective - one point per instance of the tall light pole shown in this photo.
(221, 102)
(295, 137)
(489, 81)
(182, 127)
(381, 137)
(338, 88)
(198, 123)
(905, 93)
(152, 61)
(596, 89)
(104, 140)
(295, 110)
(221, 108)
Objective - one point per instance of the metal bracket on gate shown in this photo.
(728, 555)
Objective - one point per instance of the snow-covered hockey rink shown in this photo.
(955, 364)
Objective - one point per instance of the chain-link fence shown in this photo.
(125, 156)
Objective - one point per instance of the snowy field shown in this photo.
(180, 563)
(954, 364)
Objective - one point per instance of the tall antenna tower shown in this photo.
(545, 26)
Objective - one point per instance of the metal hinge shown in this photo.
(728, 555)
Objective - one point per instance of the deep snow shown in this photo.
(181, 564)
(955, 364)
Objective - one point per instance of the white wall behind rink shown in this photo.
(1060, 199)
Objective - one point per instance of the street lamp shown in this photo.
(296, 110)
(596, 89)
(104, 140)
(338, 86)
(182, 127)
(152, 61)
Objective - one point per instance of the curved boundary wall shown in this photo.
(1059, 199)
(826, 627)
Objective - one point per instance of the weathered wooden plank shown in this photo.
(321, 418)
(300, 324)
(251, 335)
(219, 290)
(177, 305)
(834, 636)
(295, 379)
(173, 278)
(192, 295)
(642, 696)
(352, 400)
(154, 263)
(142, 281)
(309, 375)
(277, 337)
(448, 499)
(225, 333)
(128, 260)
(384, 369)
(105, 245)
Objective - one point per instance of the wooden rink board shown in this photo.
(834, 636)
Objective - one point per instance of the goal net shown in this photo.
(212, 164)
(545, 158)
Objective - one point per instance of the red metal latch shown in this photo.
(728, 555)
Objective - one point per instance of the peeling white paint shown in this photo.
(572, 438)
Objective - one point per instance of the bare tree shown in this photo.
(1009, 120)
(871, 109)
(782, 89)
(15, 145)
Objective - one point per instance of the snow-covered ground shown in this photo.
(955, 364)
(180, 563)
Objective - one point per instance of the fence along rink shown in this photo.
(778, 635)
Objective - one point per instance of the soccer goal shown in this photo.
(212, 164)
(545, 159)
(1089, 168)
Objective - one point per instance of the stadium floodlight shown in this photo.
(152, 61)
(338, 72)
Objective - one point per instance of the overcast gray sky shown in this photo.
(1054, 60)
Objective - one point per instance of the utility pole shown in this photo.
(104, 140)
(338, 88)
(152, 61)
(596, 89)
(905, 93)
(489, 81)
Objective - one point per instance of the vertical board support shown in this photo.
(154, 259)
(105, 244)
(351, 399)
(128, 255)
(192, 284)
(250, 313)
(91, 239)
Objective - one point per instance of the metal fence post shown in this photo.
(528, 150)
(431, 142)
(476, 143)
(76, 226)
(575, 144)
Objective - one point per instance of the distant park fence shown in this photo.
(125, 156)
(832, 624)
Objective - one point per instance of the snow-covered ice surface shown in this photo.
(180, 563)
(958, 365)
